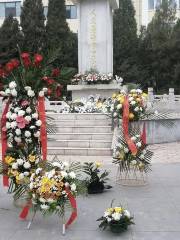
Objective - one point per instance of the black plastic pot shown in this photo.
(95, 187)
(117, 227)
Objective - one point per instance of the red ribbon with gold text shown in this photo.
(74, 207)
(125, 125)
(4, 141)
(143, 135)
(25, 211)
(43, 133)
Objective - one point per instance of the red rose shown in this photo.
(50, 81)
(15, 62)
(49, 92)
(38, 59)
(9, 67)
(55, 72)
(26, 59)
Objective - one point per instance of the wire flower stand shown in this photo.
(131, 177)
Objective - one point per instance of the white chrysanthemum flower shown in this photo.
(21, 176)
(73, 187)
(133, 138)
(44, 207)
(28, 118)
(28, 110)
(31, 93)
(115, 114)
(8, 125)
(127, 213)
(133, 91)
(13, 116)
(18, 139)
(38, 170)
(27, 134)
(20, 161)
(72, 175)
(116, 216)
(138, 144)
(64, 174)
(7, 91)
(21, 113)
(126, 150)
(8, 114)
(14, 92)
(57, 164)
(27, 88)
(41, 94)
(37, 134)
(131, 99)
(136, 109)
(45, 89)
(132, 103)
(12, 85)
(50, 200)
(38, 123)
(31, 185)
(144, 151)
(18, 132)
(16, 109)
(43, 200)
(2, 93)
(15, 166)
(139, 91)
(35, 115)
(134, 162)
(13, 124)
(27, 165)
(141, 156)
(119, 106)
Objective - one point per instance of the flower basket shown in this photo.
(117, 227)
(132, 177)
(95, 187)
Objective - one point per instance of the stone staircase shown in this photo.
(80, 136)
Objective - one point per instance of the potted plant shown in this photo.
(116, 218)
(95, 181)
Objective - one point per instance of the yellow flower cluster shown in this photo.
(9, 160)
(115, 210)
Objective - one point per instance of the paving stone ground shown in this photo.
(156, 207)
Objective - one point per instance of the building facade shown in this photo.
(145, 10)
(13, 7)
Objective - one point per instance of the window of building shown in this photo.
(150, 4)
(71, 12)
(10, 8)
(45, 11)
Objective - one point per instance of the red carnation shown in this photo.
(26, 59)
(55, 72)
(9, 67)
(15, 62)
(37, 59)
(50, 81)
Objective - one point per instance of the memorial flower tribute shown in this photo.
(96, 178)
(25, 82)
(118, 219)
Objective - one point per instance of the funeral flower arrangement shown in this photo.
(51, 189)
(137, 104)
(92, 104)
(117, 219)
(127, 160)
(96, 179)
(93, 77)
(25, 82)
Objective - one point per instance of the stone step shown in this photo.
(106, 160)
(81, 136)
(69, 123)
(80, 143)
(78, 116)
(83, 129)
(79, 151)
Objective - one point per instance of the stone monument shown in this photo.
(95, 42)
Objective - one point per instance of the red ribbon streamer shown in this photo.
(24, 213)
(43, 134)
(74, 206)
(143, 135)
(4, 141)
(125, 125)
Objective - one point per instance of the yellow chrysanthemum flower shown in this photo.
(46, 184)
(131, 116)
(98, 164)
(114, 95)
(118, 209)
(9, 160)
(110, 210)
(32, 158)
